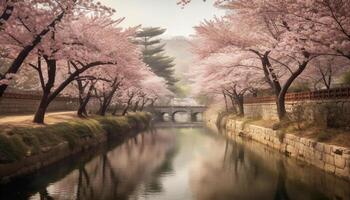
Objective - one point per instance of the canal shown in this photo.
(178, 164)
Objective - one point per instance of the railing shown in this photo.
(34, 96)
(335, 93)
(180, 106)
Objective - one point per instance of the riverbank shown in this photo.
(25, 149)
(331, 158)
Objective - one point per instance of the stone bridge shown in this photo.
(192, 111)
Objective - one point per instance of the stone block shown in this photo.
(319, 163)
(328, 148)
(342, 172)
(303, 141)
(329, 168)
(283, 147)
(346, 152)
(319, 147)
(318, 155)
(290, 136)
(290, 149)
(329, 159)
(277, 141)
(301, 153)
(339, 161)
(308, 153)
(336, 150)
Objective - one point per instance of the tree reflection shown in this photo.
(44, 195)
(281, 190)
(139, 161)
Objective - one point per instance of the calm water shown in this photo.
(179, 164)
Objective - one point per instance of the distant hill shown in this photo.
(179, 48)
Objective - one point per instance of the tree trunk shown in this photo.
(107, 98)
(40, 112)
(240, 106)
(143, 105)
(136, 106)
(82, 107)
(234, 109)
(103, 108)
(47, 96)
(16, 64)
(225, 101)
(281, 107)
(6, 14)
(116, 107)
(125, 110)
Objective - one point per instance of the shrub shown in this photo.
(324, 135)
(299, 86)
(297, 114)
(12, 148)
(334, 115)
(346, 78)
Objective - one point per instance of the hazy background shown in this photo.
(178, 21)
(164, 13)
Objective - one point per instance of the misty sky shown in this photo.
(164, 13)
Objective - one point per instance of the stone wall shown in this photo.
(330, 158)
(313, 110)
(24, 102)
(12, 106)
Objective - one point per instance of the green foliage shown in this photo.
(346, 78)
(151, 32)
(299, 86)
(182, 89)
(17, 143)
(297, 115)
(324, 135)
(153, 53)
(283, 124)
(11, 148)
(116, 125)
(334, 116)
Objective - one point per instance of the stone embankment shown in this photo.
(330, 158)
(26, 150)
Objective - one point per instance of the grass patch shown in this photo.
(324, 135)
(337, 136)
(19, 142)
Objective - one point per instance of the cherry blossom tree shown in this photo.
(145, 92)
(70, 52)
(285, 35)
(127, 97)
(231, 73)
(255, 32)
(6, 10)
(153, 88)
(324, 70)
(33, 20)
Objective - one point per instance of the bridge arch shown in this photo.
(193, 112)
(197, 116)
(165, 116)
(187, 112)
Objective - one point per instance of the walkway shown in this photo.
(26, 120)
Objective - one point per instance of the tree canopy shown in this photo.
(154, 53)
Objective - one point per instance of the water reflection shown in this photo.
(180, 164)
(130, 170)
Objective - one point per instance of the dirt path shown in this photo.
(26, 120)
